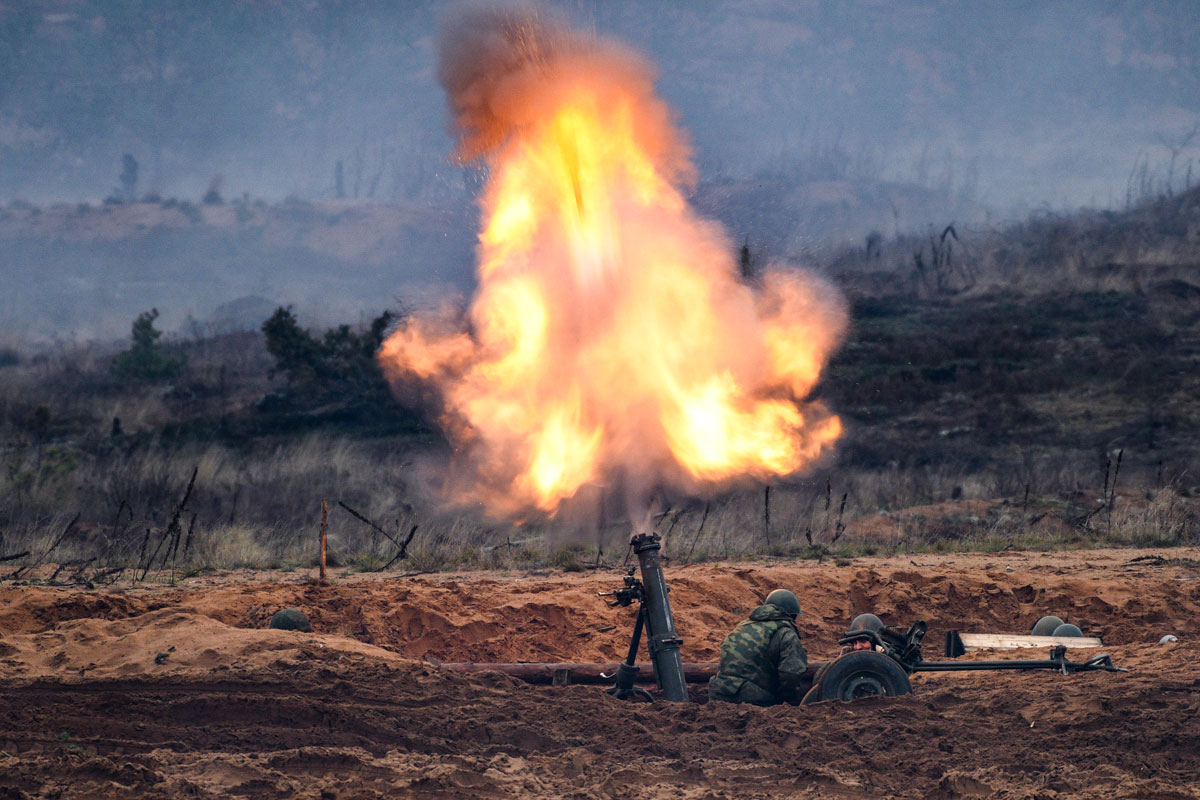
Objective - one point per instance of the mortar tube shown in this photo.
(664, 642)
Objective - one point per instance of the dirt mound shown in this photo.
(165, 692)
(163, 644)
(486, 617)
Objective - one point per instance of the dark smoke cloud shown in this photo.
(495, 60)
(486, 55)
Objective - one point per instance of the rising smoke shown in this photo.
(504, 67)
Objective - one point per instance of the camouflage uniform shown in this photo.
(762, 660)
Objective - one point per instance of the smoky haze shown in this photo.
(811, 123)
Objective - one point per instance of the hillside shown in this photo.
(1056, 408)
(82, 272)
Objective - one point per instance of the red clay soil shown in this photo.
(167, 692)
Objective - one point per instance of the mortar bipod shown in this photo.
(654, 615)
(627, 671)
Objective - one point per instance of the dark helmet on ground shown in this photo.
(291, 619)
(1067, 629)
(1046, 625)
(785, 601)
(866, 622)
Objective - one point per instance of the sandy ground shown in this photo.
(160, 691)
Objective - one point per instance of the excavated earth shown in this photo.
(158, 691)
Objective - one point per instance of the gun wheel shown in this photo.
(858, 675)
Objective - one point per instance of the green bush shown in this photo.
(145, 359)
(338, 368)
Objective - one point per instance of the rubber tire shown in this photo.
(862, 673)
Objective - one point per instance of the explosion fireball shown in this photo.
(611, 335)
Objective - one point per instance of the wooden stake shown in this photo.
(324, 528)
(767, 514)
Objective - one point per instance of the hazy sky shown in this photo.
(813, 123)
(1040, 102)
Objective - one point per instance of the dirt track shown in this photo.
(346, 712)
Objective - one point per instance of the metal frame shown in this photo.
(654, 617)
(905, 650)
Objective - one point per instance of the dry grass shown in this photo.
(256, 501)
(1166, 519)
(262, 508)
(1151, 244)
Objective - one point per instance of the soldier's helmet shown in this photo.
(291, 619)
(1046, 625)
(785, 601)
(866, 622)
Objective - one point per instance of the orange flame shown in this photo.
(611, 333)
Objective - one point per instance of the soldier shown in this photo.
(762, 660)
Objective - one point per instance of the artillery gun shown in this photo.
(878, 659)
(894, 654)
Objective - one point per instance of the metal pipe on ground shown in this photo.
(579, 673)
(588, 672)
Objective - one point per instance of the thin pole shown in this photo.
(324, 529)
(767, 515)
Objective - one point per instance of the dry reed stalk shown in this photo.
(840, 527)
(403, 551)
(29, 567)
(172, 533)
(696, 538)
(767, 515)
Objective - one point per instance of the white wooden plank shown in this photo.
(1014, 641)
